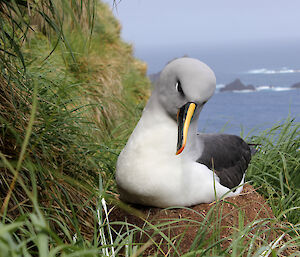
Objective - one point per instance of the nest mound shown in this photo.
(188, 227)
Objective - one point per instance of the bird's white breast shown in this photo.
(147, 168)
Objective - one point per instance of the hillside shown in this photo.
(71, 92)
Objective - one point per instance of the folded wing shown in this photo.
(227, 155)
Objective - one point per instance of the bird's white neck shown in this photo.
(157, 124)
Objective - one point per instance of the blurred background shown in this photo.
(255, 41)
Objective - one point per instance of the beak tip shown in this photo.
(179, 151)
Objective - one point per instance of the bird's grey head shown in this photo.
(184, 80)
(183, 87)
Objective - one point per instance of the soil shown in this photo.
(189, 223)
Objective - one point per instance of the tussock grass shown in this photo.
(71, 51)
(275, 168)
(70, 95)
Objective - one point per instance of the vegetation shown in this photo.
(70, 95)
(275, 169)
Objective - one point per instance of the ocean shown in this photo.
(272, 69)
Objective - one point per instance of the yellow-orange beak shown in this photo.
(184, 117)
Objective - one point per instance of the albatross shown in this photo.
(166, 162)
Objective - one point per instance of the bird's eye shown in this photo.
(178, 87)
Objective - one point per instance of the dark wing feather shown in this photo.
(227, 155)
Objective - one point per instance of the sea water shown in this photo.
(236, 112)
(272, 69)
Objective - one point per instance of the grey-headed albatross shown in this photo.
(165, 161)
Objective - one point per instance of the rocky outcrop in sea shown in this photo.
(297, 85)
(237, 85)
(154, 77)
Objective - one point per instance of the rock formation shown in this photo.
(237, 85)
(297, 85)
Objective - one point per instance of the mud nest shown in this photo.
(163, 230)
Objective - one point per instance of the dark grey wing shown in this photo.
(227, 155)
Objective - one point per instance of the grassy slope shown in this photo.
(89, 93)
